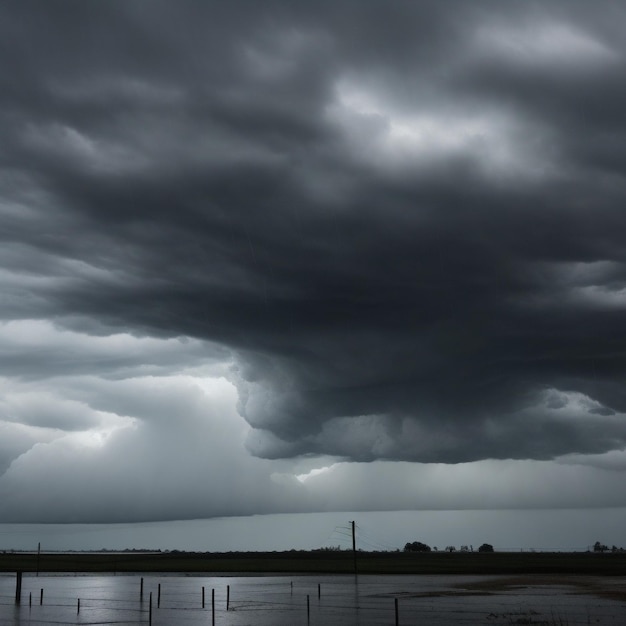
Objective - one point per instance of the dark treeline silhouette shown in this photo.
(418, 546)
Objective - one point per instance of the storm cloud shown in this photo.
(393, 231)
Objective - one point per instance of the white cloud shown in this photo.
(181, 455)
(394, 136)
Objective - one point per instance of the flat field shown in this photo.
(321, 562)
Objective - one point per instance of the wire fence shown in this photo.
(307, 600)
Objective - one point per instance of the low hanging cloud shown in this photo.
(397, 230)
(178, 456)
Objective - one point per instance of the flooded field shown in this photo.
(309, 600)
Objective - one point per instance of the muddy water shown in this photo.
(312, 600)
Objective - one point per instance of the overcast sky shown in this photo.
(275, 257)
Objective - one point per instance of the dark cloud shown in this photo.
(404, 222)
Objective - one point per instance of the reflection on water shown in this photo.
(306, 600)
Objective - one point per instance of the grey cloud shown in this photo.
(401, 274)
(45, 411)
(188, 466)
(17, 439)
(38, 350)
(485, 485)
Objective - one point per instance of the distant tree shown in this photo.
(486, 547)
(464, 549)
(450, 549)
(599, 547)
(416, 546)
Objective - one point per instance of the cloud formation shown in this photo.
(396, 229)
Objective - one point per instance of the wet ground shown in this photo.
(311, 600)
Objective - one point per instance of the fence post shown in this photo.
(202, 597)
(18, 587)
(40, 597)
(150, 611)
(213, 607)
(227, 597)
(159, 597)
(78, 607)
(141, 589)
(396, 604)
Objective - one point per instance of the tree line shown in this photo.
(418, 546)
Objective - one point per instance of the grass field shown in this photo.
(502, 563)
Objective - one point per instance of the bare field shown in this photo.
(302, 562)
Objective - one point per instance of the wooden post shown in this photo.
(18, 587)
(291, 585)
(227, 597)
(141, 589)
(202, 597)
(308, 609)
(159, 597)
(212, 607)
(150, 611)
(30, 599)
(41, 597)
(396, 604)
(78, 607)
(319, 591)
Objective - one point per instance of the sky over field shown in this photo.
(288, 257)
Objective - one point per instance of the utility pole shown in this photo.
(354, 544)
